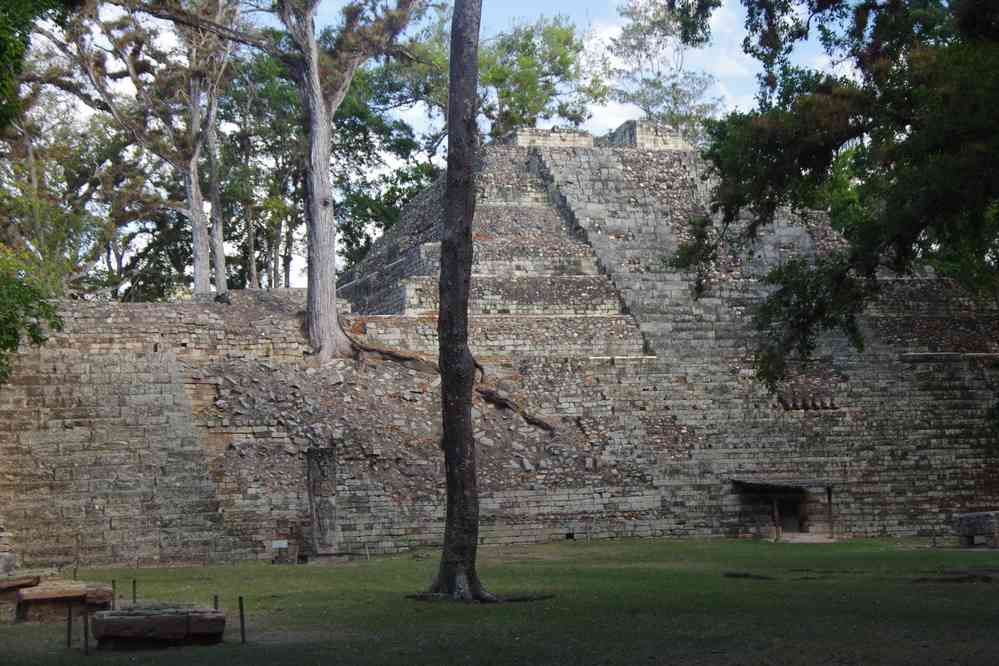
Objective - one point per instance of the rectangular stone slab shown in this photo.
(48, 601)
(51, 592)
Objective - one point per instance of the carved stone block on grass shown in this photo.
(157, 624)
(983, 523)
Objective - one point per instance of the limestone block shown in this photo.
(8, 611)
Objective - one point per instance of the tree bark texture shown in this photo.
(215, 196)
(272, 256)
(252, 280)
(195, 199)
(457, 576)
(328, 340)
(199, 228)
(286, 256)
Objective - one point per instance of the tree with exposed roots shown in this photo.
(457, 577)
(323, 76)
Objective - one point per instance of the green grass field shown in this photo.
(616, 602)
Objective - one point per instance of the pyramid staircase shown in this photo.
(541, 309)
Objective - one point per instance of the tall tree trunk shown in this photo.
(252, 280)
(36, 204)
(215, 195)
(327, 338)
(289, 246)
(199, 228)
(272, 258)
(266, 251)
(195, 199)
(457, 576)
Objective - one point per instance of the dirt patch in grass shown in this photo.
(746, 575)
(954, 578)
(283, 637)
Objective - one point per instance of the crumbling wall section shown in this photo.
(644, 134)
(527, 137)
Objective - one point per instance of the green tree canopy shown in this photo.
(24, 310)
(17, 18)
(651, 72)
(528, 73)
(375, 158)
(899, 146)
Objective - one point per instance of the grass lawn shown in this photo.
(616, 602)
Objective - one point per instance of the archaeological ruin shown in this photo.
(615, 402)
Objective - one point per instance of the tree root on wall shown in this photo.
(422, 363)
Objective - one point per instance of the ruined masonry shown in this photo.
(196, 432)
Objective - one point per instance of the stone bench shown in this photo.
(49, 601)
(157, 624)
(971, 525)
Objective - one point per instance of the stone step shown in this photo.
(510, 221)
(380, 291)
(527, 295)
(505, 177)
(523, 256)
(495, 338)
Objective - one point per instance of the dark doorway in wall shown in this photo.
(790, 514)
(774, 508)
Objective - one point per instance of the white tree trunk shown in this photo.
(252, 281)
(195, 199)
(272, 258)
(328, 340)
(218, 238)
(199, 229)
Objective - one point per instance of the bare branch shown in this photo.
(170, 13)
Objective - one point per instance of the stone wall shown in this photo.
(8, 560)
(562, 138)
(642, 134)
